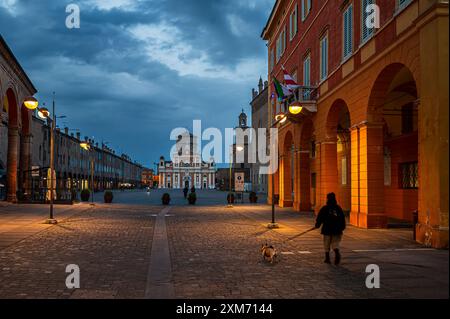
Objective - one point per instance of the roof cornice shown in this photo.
(270, 20)
(10, 58)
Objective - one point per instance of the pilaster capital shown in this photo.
(366, 124)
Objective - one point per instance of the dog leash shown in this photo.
(298, 235)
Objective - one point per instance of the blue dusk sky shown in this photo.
(136, 69)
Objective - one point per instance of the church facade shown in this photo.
(186, 167)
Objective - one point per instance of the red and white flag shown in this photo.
(289, 81)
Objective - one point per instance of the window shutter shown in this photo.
(291, 30)
(295, 21)
(348, 31)
(324, 57)
(366, 32)
(303, 10)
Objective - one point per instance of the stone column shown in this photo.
(296, 186)
(12, 166)
(355, 204)
(432, 228)
(286, 181)
(304, 181)
(328, 182)
(371, 178)
(25, 163)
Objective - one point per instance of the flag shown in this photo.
(289, 81)
(282, 91)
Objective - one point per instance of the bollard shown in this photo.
(415, 221)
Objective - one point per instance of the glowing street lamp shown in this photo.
(43, 113)
(280, 116)
(295, 108)
(87, 147)
(31, 103)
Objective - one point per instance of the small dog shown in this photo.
(269, 253)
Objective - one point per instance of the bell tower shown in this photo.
(243, 120)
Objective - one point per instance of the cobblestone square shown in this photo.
(140, 250)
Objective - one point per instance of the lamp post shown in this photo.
(238, 149)
(44, 113)
(279, 118)
(102, 168)
(88, 147)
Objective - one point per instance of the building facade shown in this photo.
(260, 117)
(25, 147)
(15, 125)
(147, 177)
(187, 167)
(74, 165)
(374, 123)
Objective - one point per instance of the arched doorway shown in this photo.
(287, 174)
(336, 154)
(187, 181)
(393, 104)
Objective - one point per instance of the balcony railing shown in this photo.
(305, 94)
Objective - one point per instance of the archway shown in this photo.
(393, 104)
(336, 153)
(287, 172)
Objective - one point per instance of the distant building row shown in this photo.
(25, 146)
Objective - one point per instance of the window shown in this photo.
(293, 24)
(409, 175)
(348, 32)
(313, 180)
(281, 44)
(313, 149)
(344, 171)
(402, 4)
(306, 8)
(407, 118)
(324, 57)
(272, 59)
(306, 76)
(307, 71)
(366, 33)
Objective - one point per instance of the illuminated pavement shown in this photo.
(204, 251)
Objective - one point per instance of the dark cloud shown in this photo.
(118, 87)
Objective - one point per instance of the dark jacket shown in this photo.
(333, 220)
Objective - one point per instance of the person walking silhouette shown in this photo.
(332, 219)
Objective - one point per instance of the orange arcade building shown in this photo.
(370, 120)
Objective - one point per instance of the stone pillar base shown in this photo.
(368, 220)
(11, 198)
(296, 206)
(286, 203)
(436, 237)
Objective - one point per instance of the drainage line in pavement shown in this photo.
(159, 278)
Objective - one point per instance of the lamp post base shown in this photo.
(273, 225)
(51, 221)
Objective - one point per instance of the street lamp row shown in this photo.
(32, 103)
